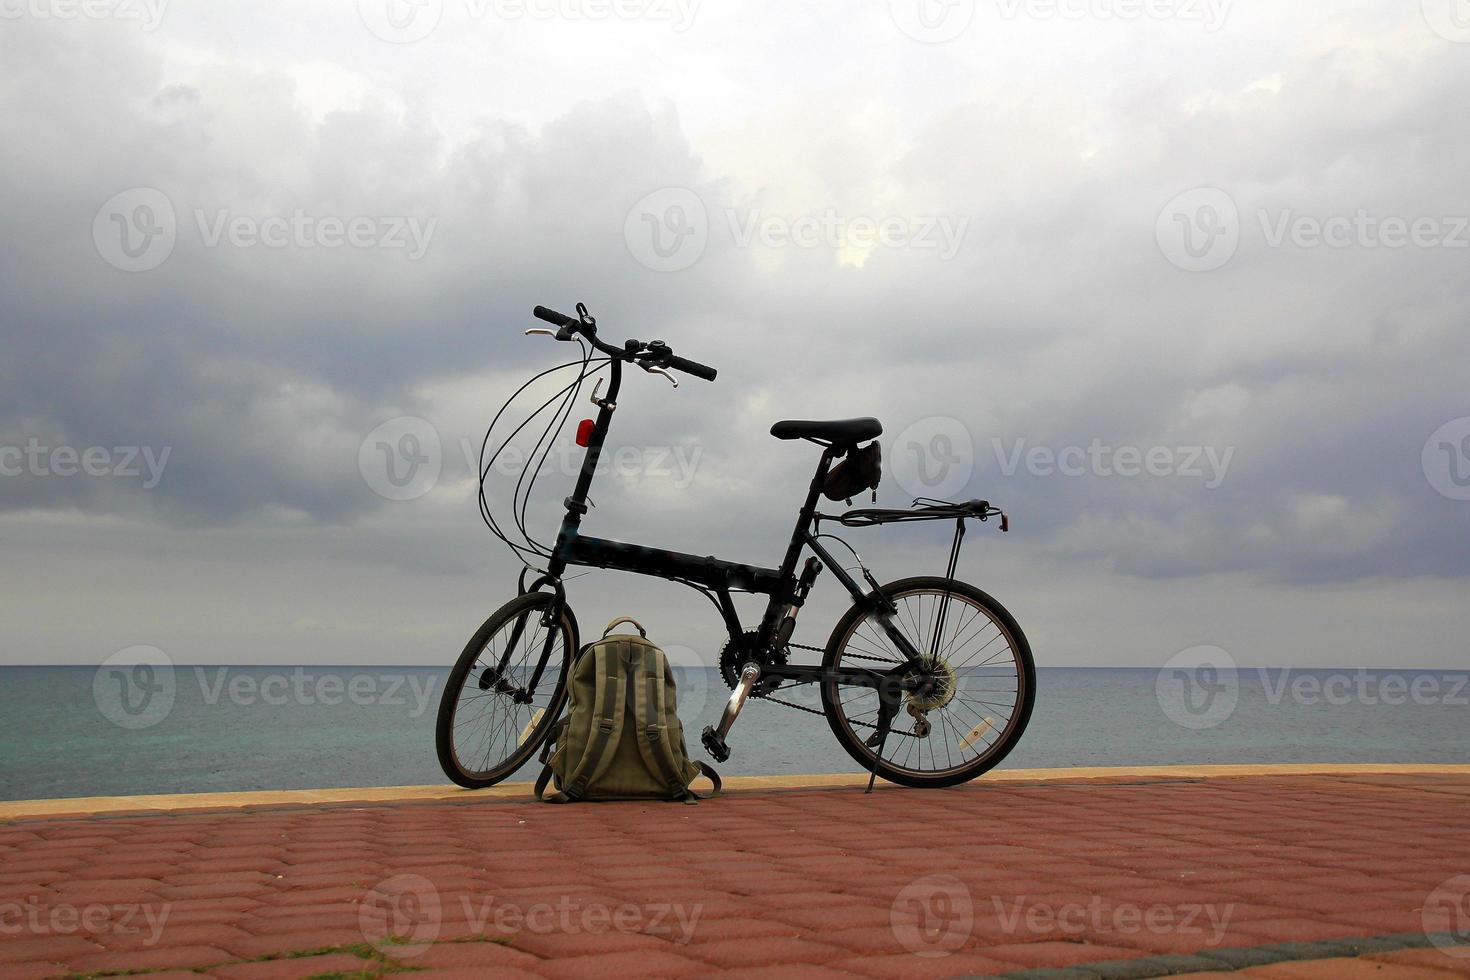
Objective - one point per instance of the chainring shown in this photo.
(732, 658)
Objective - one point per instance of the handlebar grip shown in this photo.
(551, 316)
(691, 367)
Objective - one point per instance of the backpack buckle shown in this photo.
(605, 726)
(652, 732)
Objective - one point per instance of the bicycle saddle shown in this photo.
(839, 432)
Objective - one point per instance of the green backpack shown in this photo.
(620, 738)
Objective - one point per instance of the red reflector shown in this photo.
(584, 432)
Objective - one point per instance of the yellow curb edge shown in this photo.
(91, 805)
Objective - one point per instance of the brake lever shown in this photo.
(658, 370)
(543, 331)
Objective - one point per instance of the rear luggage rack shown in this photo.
(923, 509)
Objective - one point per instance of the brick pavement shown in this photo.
(1121, 876)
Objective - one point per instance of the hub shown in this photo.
(937, 685)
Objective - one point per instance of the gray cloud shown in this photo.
(1059, 321)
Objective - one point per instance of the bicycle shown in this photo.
(893, 683)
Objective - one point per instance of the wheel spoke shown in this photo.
(973, 706)
(480, 737)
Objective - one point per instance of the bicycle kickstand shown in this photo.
(886, 710)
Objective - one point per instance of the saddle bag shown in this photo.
(620, 738)
(862, 469)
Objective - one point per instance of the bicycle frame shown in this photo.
(718, 576)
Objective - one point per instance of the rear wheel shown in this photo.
(980, 688)
(489, 722)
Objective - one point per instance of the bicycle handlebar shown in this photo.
(551, 316)
(653, 354)
(691, 367)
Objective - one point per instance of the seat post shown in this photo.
(798, 541)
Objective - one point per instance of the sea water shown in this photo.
(254, 728)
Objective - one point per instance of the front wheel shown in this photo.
(979, 690)
(496, 711)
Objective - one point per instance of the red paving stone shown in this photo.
(1007, 876)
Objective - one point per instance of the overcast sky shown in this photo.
(1180, 284)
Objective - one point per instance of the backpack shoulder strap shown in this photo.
(653, 732)
(607, 722)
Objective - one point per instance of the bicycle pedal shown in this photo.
(715, 745)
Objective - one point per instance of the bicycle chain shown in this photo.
(817, 711)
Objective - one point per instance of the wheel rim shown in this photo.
(490, 730)
(969, 722)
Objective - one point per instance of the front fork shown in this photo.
(495, 677)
